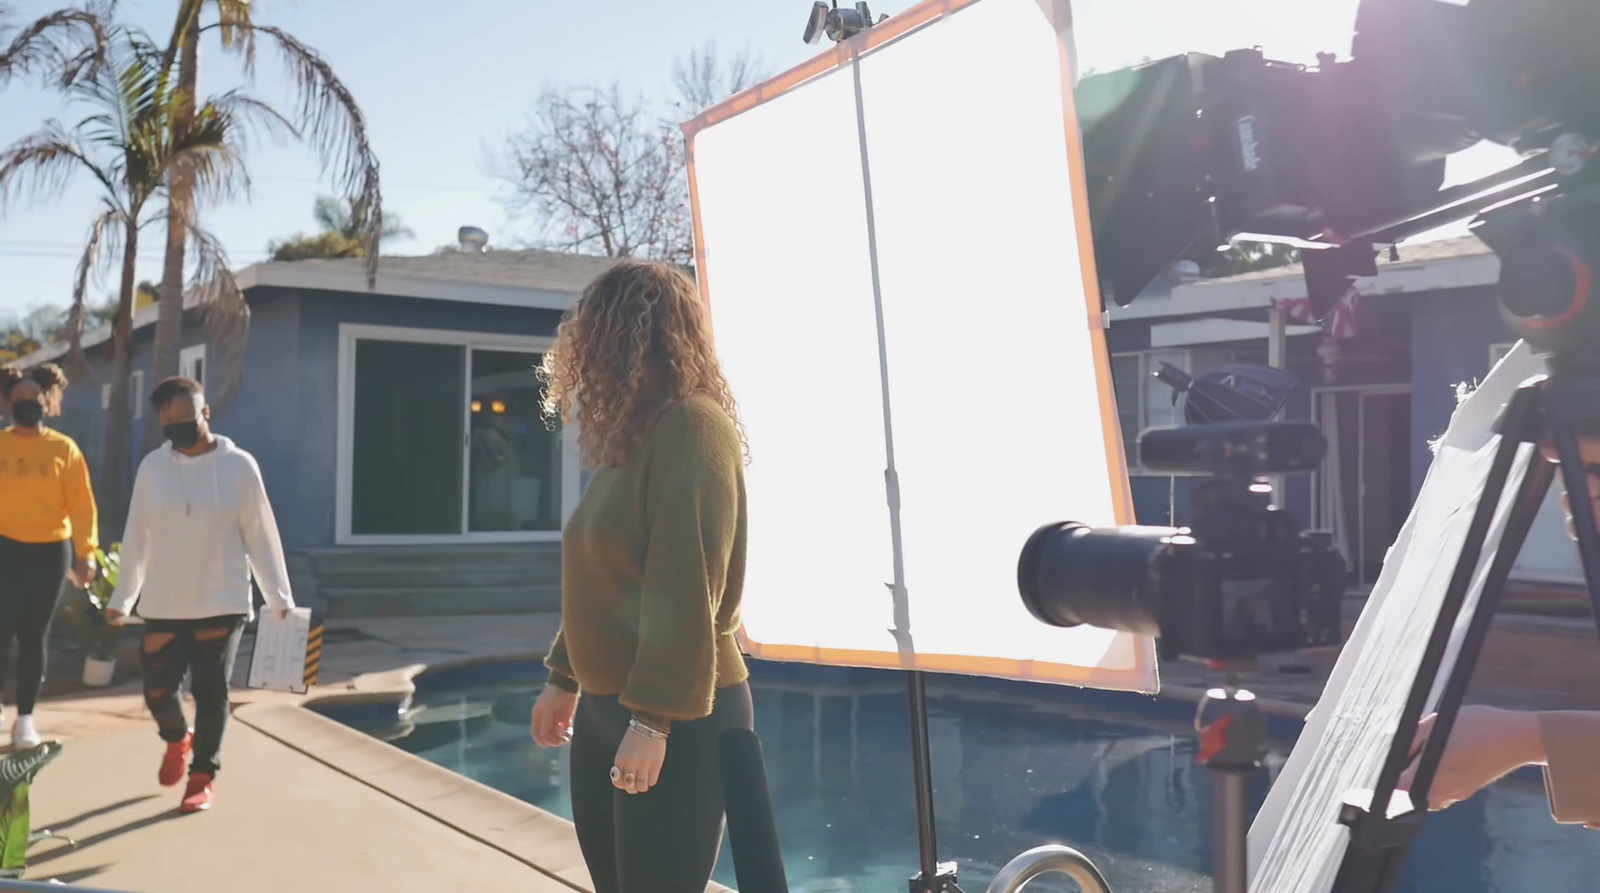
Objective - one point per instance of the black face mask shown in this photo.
(182, 434)
(27, 413)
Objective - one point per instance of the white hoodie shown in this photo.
(198, 528)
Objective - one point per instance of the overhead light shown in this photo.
(839, 24)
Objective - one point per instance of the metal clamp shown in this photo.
(1052, 859)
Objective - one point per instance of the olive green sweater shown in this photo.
(652, 567)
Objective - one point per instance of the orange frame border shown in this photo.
(1059, 14)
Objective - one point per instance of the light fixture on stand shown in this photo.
(838, 24)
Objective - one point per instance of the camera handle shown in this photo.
(1543, 409)
(1231, 731)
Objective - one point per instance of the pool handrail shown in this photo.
(1046, 860)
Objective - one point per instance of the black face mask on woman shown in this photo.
(182, 434)
(27, 413)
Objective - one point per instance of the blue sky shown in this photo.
(443, 83)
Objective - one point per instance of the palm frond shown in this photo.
(247, 116)
(67, 42)
(331, 214)
(224, 312)
(238, 35)
(333, 122)
(103, 244)
(41, 163)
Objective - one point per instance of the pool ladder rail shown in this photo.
(1053, 859)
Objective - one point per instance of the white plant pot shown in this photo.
(97, 673)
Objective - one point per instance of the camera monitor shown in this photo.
(894, 245)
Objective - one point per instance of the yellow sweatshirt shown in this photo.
(44, 491)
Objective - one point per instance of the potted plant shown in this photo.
(85, 611)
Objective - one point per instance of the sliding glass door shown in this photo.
(442, 439)
(407, 446)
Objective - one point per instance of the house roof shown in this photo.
(1410, 253)
(1423, 266)
(535, 279)
(547, 271)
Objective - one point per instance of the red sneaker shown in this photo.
(197, 796)
(172, 763)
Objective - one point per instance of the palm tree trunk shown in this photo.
(117, 459)
(169, 322)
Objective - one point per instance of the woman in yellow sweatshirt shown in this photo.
(47, 530)
(652, 566)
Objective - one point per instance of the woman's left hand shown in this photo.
(639, 762)
(81, 574)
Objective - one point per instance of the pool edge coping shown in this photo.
(543, 841)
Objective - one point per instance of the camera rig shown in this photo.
(1339, 160)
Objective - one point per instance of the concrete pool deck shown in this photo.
(285, 819)
(307, 803)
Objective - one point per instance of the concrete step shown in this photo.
(435, 577)
(423, 601)
(362, 559)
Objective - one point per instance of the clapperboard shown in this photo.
(288, 652)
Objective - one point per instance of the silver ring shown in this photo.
(616, 774)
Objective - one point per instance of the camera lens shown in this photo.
(1112, 577)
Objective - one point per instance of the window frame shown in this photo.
(349, 334)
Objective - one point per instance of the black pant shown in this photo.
(31, 575)
(666, 839)
(205, 648)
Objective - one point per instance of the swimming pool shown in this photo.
(1015, 766)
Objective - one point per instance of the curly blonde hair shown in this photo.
(637, 341)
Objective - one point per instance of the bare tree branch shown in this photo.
(700, 80)
(597, 172)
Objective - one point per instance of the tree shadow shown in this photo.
(96, 813)
(103, 836)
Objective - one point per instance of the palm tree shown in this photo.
(61, 44)
(129, 146)
(328, 115)
(344, 225)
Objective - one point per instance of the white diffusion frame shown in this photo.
(894, 245)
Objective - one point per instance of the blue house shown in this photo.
(1382, 383)
(398, 429)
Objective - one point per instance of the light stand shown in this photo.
(1548, 409)
(1231, 730)
(932, 876)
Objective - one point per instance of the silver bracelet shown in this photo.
(644, 730)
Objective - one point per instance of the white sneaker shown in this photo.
(24, 735)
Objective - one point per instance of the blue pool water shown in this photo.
(1015, 766)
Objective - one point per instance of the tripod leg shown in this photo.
(1574, 476)
(1374, 854)
(1524, 511)
(1519, 413)
(1529, 499)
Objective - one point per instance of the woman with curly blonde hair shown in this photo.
(652, 571)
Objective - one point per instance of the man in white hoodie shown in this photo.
(199, 528)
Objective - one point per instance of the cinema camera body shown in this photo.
(1243, 580)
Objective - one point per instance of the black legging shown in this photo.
(31, 575)
(665, 840)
